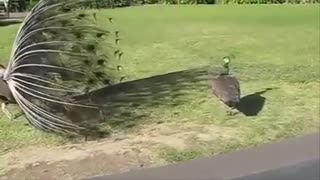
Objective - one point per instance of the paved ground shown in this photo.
(296, 158)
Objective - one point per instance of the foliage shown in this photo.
(32, 3)
(126, 3)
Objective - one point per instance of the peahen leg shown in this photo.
(232, 112)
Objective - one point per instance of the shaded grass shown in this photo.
(278, 49)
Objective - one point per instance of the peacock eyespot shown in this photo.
(66, 9)
(87, 62)
(80, 16)
(91, 47)
(78, 35)
(119, 68)
(119, 56)
(90, 81)
(52, 33)
(98, 74)
(116, 52)
(100, 62)
(122, 78)
(106, 82)
(64, 22)
(99, 35)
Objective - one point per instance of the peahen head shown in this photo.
(226, 65)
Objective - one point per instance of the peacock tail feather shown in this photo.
(61, 51)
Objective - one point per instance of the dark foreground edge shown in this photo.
(294, 159)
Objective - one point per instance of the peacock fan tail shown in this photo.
(61, 51)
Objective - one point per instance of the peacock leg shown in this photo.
(8, 114)
(18, 115)
(5, 111)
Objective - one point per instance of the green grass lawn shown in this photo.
(276, 46)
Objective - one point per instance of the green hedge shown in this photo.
(126, 3)
(102, 3)
(268, 1)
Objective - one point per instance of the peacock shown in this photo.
(225, 86)
(61, 51)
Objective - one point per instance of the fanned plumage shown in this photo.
(60, 52)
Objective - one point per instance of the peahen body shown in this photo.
(225, 86)
(59, 52)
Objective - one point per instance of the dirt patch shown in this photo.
(117, 154)
(96, 164)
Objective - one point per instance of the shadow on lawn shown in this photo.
(123, 105)
(252, 104)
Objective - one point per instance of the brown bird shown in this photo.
(226, 87)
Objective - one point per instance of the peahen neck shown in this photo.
(226, 69)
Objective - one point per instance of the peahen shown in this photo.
(225, 86)
(60, 52)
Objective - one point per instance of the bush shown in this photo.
(126, 3)
(32, 3)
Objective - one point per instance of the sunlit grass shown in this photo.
(276, 46)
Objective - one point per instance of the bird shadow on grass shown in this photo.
(252, 104)
(126, 104)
